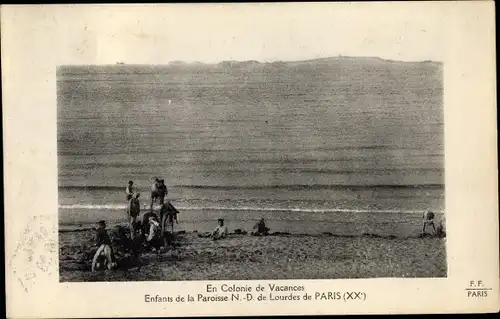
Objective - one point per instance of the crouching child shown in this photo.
(428, 221)
(262, 230)
(104, 256)
(153, 239)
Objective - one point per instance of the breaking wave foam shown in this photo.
(245, 208)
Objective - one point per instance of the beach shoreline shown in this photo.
(276, 256)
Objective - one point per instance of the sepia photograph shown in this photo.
(250, 159)
(322, 168)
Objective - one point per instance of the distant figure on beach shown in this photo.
(220, 231)
(133, 210)
(130, 190)
(104, 256)
(262, 230)
(428, 219)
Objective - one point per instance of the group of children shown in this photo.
(154, 231)
(104, 257)
(151, 228)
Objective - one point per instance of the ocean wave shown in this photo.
(247, 208)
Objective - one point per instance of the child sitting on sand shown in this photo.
(104, 256)
(428, 219)
(262, 230)
(441, 232)
(220, 231)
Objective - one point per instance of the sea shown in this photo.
(338, 145)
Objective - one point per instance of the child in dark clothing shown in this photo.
(130, 190)
(145, 222)
(262, 230)
(168, 215)
(133, 210)
(162, 191)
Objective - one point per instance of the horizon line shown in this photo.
(173, 62)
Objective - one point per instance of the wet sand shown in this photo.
(277, 256)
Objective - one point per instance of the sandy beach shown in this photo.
(245, 257)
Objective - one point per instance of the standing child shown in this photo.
(168, 214)
(133, 210)
(428, 220)
(130, 190)
(162, 191)
(155, 194)
(172, 215)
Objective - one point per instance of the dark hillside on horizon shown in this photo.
(342, 61)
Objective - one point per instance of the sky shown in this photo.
(210, 33)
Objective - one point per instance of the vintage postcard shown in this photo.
(250, 159)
